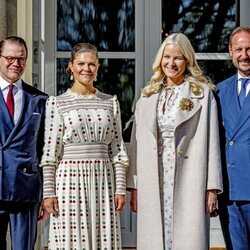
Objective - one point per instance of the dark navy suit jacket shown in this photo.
(236, 124)
(21, 148)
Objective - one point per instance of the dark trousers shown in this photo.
(22, 218)
(235, 223)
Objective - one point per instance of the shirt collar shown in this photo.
(4, 84)
(240, 76)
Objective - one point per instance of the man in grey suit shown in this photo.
(21, 140)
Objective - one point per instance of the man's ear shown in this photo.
(230, 50)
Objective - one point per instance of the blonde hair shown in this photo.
(193, 73)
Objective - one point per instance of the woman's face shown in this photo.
(84, 68)
(173, 64)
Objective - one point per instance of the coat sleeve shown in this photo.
(214, 180)
(132, 171)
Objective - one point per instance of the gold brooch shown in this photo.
(196, 90)
(186, 104)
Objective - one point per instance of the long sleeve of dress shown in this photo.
(53, 145)
(118, 152)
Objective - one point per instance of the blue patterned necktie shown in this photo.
(242, 94)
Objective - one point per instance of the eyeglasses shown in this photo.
(11, 59)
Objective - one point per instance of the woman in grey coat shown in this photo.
(174, 152)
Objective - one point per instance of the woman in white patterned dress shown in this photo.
(84, 161)
(174, 152)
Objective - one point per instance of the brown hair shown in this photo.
(14, 39)
(238, 30)
(81, 48)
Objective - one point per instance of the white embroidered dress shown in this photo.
(83, 141)
(168, 105)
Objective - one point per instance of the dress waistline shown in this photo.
(85, 151)
(167, 134)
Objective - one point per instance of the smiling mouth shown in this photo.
(87, 75)
(245, 63)
(172, 70)
(15, 70)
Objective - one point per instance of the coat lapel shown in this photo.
(184, 115)
(149, 109)
(149, 106)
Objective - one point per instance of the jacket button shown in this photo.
(231, 143)
(24, 170)
(180, 153)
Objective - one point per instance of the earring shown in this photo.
(71, 77)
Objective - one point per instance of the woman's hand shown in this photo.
(211, 200)
(51, 205)
(119, 202)
(43, 213)
(133, 200)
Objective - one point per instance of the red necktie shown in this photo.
(10, 101)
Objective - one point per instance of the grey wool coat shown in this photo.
(198, 168)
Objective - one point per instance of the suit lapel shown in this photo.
(184, 115)
(232, 102)
(232, 112)
(27, 109)
(244, 115)
(6, 125)
(28, 106)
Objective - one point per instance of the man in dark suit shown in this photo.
(21, 140)
(234, 99)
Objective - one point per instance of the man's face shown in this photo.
(12, 61)
(240, 52)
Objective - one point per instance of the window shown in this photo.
(110, 26)
(208, 24)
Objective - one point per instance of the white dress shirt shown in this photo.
(18, 95)
(239, 83)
